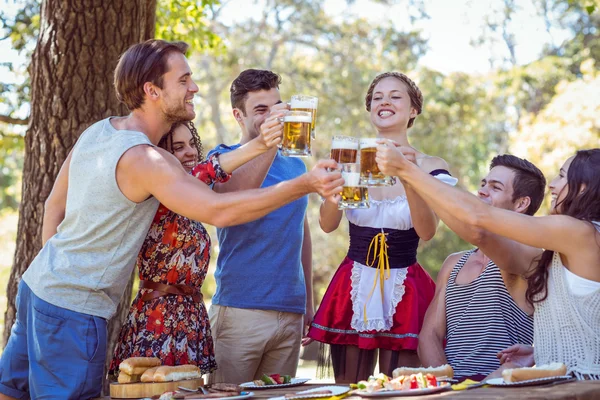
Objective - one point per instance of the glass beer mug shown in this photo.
(300, 102)
(354, 194)
(370, 174)
(296, 133)
(344, 149)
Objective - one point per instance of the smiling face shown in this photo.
(257, 106)
(184, 147)
(496, 189)
(178, 90)
(391, 105)
(559, 187)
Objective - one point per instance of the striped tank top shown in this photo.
(481, 319)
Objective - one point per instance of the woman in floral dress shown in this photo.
(167, 318)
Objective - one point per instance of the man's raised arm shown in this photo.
(155, 171)
(252, 174)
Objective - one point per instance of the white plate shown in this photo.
(400, 393)
(307, 394)
(294, 382)
(530, 382)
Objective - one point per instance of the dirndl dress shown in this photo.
(378, 300)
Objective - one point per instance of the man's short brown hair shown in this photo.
(141, 63)
(529, 181)
(251, 80)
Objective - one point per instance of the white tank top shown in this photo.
(567, 324)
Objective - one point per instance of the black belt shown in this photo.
(402, 245)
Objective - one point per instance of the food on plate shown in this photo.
(439, 372)
(126, 378)
(382, 382)
(137, 365)
(225, 387)
(274, 379)
(323, 392)
(542, 371)
(216, 391)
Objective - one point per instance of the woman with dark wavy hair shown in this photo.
(564, 283)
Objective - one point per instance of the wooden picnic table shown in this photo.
(578, 390)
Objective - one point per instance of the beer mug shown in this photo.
(354, 195)
(370, 174)
(344, 149)
(296, 134)
(309, 104)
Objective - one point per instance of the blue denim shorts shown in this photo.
(52, 352)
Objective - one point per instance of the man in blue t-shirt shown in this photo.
(264, 280)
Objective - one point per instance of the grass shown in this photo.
(8, 233)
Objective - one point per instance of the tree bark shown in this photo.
(71, 70)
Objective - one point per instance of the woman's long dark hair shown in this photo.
(167, 141)
(581, 202)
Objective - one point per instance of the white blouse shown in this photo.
(392, 214)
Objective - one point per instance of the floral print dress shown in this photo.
(173, 328)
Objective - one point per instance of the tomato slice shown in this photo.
(413, 382)
(431, 381)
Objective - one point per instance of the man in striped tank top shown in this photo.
(480, 309)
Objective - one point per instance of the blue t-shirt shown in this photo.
(259, 264)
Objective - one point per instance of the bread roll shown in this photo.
(542, 371)
(126, 378)
(177, 373)
(137, 365)
(441, 371)
(148, 375)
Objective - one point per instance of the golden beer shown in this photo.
(344, 149)
(307, 104)
(354, 195)
(369, 170)
(296, 134)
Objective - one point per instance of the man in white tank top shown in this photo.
(97, 216)
(451, 331)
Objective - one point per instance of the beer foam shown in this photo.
(351, 178)
(297, 118)
(368, 142)
(303, 103)
(342, 143)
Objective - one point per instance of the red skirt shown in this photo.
(332, 320)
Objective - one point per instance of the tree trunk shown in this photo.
(71, 87)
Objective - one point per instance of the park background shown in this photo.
(498, 76)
